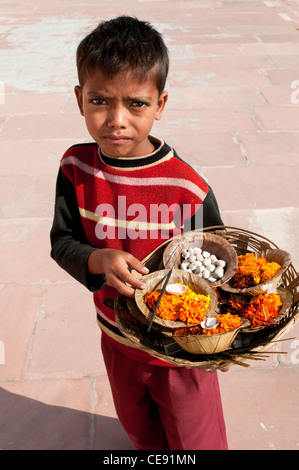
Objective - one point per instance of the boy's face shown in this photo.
(120, 112)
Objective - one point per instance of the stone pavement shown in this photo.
(233, 114)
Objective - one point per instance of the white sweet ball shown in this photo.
(199, 256)
(192, 267)
(206, 254)
(206, 262)
(221, 263)
(185, 254)
(192, 258)
(213, 258)
(218, 273)
(184, 266)
(212, 279)
(206, 274)
(197, 250)
(211, 267)
(191, 251)
(197, 263)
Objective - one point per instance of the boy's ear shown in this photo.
(161, 105)
(78, 93)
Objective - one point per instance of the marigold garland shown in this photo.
(252, 271)
(188, 307)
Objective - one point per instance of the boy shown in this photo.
(117, 199)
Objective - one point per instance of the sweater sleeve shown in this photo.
(69, 245)
(207, 215)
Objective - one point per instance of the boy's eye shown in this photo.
(98, 101)
(138, 104)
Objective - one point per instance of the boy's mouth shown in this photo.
(117, 139)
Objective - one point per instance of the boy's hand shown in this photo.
(116, 265)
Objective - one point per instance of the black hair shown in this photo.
(124, 44)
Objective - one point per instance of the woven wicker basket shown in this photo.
(133, 333)
(279, 256)
(196, 284)
(212, 243)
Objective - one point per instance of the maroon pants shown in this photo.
(164, 408)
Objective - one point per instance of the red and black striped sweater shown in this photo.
(128, 204)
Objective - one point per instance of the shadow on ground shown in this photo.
(45, 427)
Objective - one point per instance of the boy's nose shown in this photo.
(117, 117)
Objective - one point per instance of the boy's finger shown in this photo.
(123, 287)
(132, 280)
(135, 264)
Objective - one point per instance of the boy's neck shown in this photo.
(162, 152)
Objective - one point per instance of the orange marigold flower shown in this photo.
(227, 323)
(262, 309)
(252, 271)
(188, 307)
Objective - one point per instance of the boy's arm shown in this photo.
(211, 212)
(69, 246)
(92, 267)
(207, 215)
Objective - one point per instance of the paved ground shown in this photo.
(233, 113)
